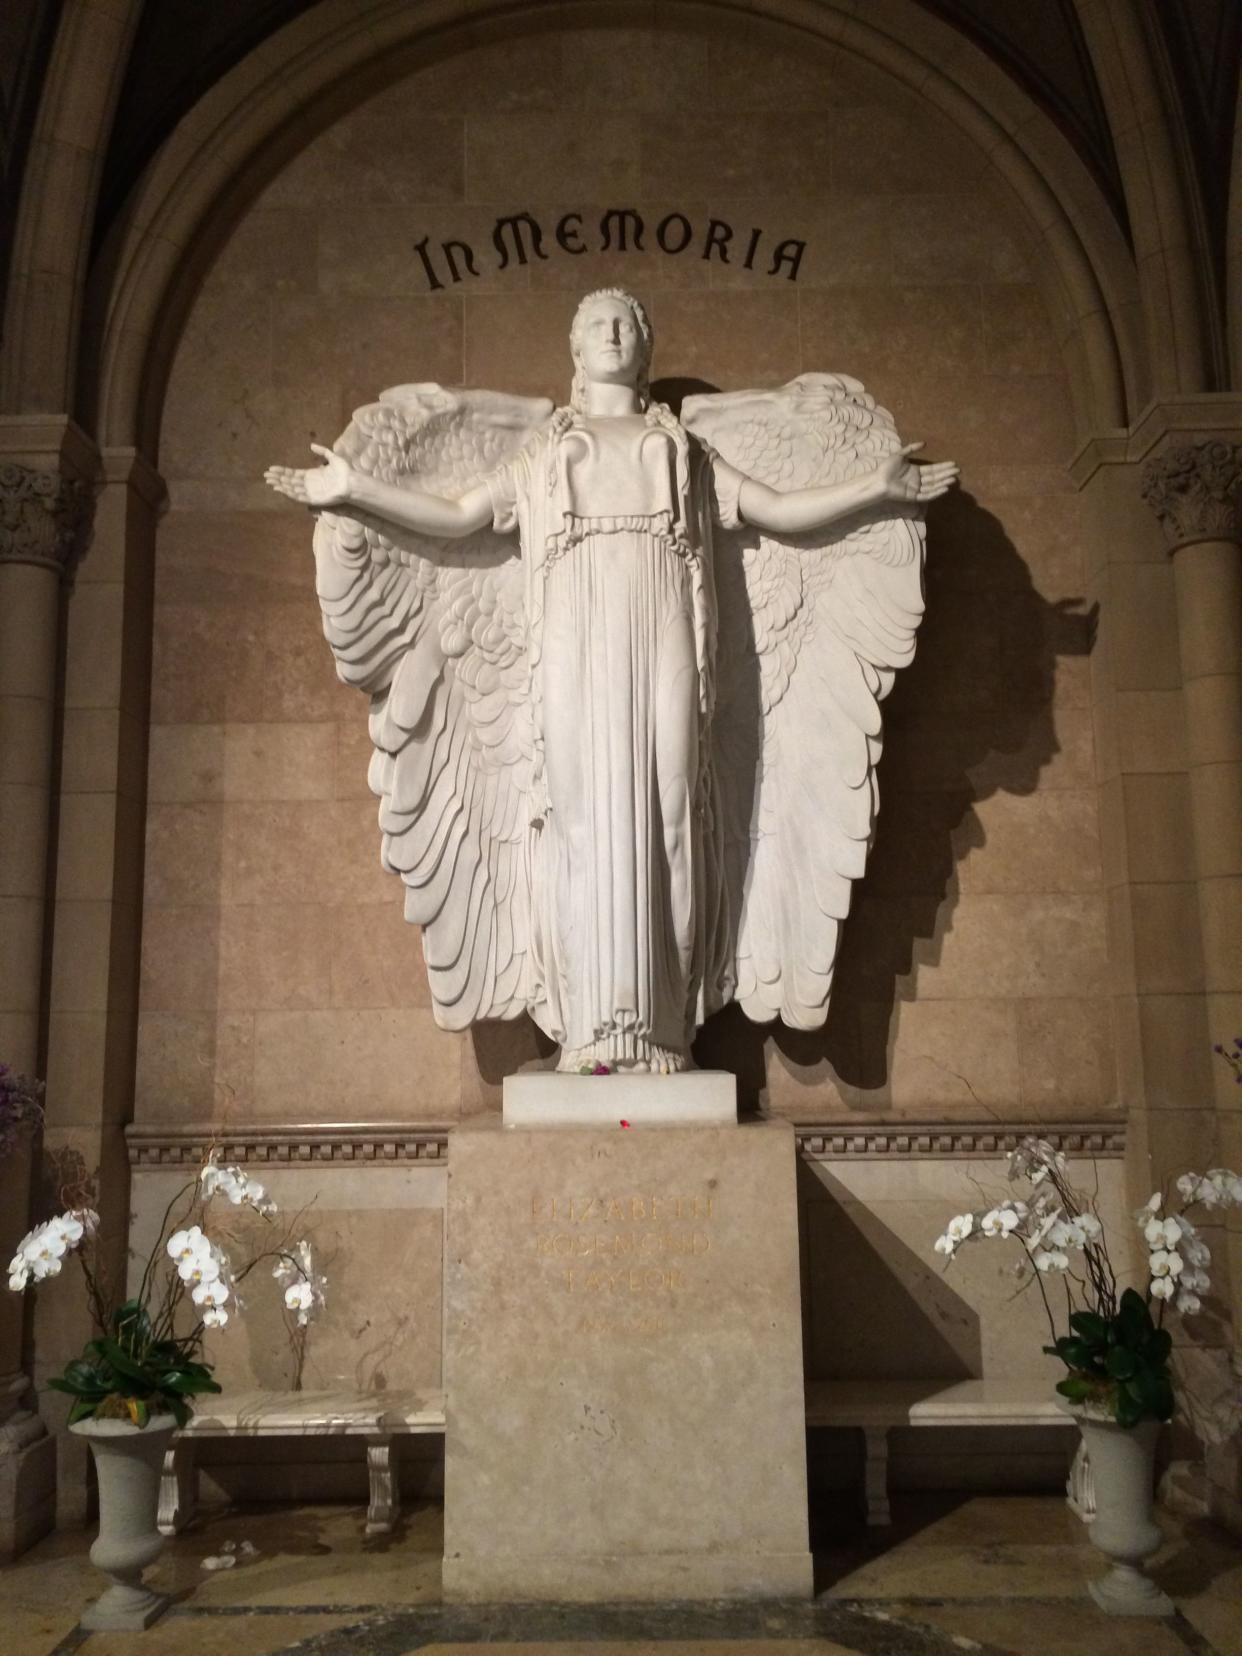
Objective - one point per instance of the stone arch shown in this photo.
(1182, 312)
(53, 234)
(1233, 256)
(293, 85)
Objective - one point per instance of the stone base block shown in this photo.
(544, 1098)
(518, 1578)
(125, 1610)
(27, 1494)
(623, 1350)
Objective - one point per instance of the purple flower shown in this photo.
(21, 1107)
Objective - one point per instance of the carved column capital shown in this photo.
(1195, 489)
(45, 517)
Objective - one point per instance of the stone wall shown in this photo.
(280, 982)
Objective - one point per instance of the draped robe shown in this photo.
(630, 946)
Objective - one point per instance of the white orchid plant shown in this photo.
(147, 1356)
(1116, 1351)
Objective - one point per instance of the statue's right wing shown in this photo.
(434, 632)
(813, 629)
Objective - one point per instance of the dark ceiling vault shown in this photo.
(183, 47)
(27, 30)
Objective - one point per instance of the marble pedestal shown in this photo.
(546, 1098)
(623, 1349)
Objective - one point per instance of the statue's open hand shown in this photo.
(320, 486)
(904, 483)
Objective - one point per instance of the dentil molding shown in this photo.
(154, 1149)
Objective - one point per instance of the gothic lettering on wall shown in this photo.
(519, 238)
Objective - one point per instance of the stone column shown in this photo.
(1147, 852)
(44, 519)
(92, 997)
(1195, 489)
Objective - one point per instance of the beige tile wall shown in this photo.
(381, 1329)
(879, 1303)
(279, 979)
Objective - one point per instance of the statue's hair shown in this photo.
(577, 395)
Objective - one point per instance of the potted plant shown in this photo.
(1119, 1384)
(137, 1379)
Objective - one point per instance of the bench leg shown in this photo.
(385, 1490)
(875, 1475)
(178, 1488)
(1080, 1489)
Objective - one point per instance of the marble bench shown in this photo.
(876, 1406)
(376, 1417)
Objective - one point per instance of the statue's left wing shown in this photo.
(435, 632)
(812, 631)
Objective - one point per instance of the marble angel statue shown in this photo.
(625, 676)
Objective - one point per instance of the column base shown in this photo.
(27, 1484)
(125, 1609)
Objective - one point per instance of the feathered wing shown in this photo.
(434, 632)
(811, 633)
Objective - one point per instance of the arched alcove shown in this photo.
(959, 258)
(979, 934)
(335, 56)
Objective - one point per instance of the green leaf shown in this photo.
(1133, 1320)
(1090, 1326)
(180, 1380)
(1075, 1388)
(1159, 1346)
(1078, 1354)
(82, 1379)
(178, 1408)
(81, 1410)
(141, 1412)
(126, 1365)
(203, 1371)
(1122, 1362)
(1127, 1410)
(1152, 1390)
(132, 1319)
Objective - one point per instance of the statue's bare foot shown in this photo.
(649, 1059)
(664, 1061)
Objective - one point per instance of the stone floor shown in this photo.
(992, 1575)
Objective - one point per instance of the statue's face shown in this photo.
(609, 343)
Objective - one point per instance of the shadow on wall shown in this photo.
(904, 1320)
(972, 716)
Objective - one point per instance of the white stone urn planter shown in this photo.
(1122, 1460)
(128, 1462)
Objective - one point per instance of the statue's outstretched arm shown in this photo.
(894, 483)
(336, 486)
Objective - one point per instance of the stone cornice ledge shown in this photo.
(368, 1144)
(1194, 415)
